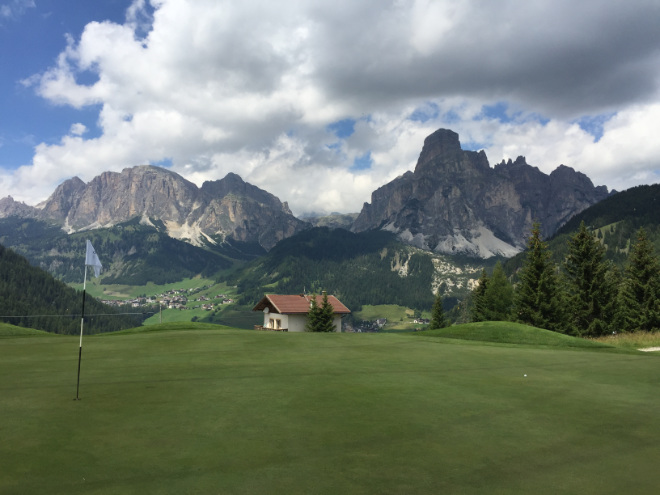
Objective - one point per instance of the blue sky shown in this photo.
(300, 99)
(32, 35)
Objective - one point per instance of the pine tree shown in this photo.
(497, 299)
(589, 293)
(326, 316)
(639, 307)
(320, 318)
(537, 298)
(478, 311)
(313, 315)
(438, 319)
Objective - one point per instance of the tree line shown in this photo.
(584, 295)
(30, 297)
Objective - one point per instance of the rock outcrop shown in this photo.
(454, 202)
(9, 207)
(226, 208)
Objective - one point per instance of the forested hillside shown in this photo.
(132, 253)
(584, 295)
(30, 297)
(614, 221)
(365, 268)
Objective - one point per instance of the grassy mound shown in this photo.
(7, 330)
(229, 411)
(505, 332)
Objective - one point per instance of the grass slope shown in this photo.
(210, 410)
(7, 330)
(505, 332)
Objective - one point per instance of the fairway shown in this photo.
(212, 410)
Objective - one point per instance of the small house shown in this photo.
(288, 313)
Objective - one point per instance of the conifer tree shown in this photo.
(589, 293)
(478, 311)
(320, 318)
(497, 299)
(438, 319)
(537, 296)
(639, 307)
(326, 315)
(313, 314)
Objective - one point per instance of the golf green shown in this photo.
(227, 411)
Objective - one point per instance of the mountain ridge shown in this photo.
(455, 202)
(228, 208)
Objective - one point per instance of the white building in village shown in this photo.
(288, 313)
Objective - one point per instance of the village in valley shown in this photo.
(181, 299)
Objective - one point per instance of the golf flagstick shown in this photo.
(82, 321)
(91, 259)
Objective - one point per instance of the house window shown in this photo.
(271, 323)
(278, 324)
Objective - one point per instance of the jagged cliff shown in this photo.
(12, 208)
(226, 208)
(454, 202)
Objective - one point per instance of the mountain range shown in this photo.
(454, 203)
(224, 209)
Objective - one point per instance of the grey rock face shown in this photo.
(454, 202)
(226, 208)
(10, 208)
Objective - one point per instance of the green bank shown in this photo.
(185, 408)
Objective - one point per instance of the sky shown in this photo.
(320, 103)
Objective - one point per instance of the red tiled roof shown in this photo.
(296, 304)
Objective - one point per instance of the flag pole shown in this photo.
(82, 321)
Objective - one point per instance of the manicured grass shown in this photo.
(173, 326)
(170, 315)
(197, 409)
(505, 332)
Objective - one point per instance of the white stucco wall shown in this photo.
(284, 320)
(295, 323)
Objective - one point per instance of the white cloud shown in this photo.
(251, 88)
(78, 129)
(15, 8)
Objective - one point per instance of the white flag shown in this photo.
(91, 259)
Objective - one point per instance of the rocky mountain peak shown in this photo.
(62, 199)
(520, 162)
(227, 208)
(442, 155)
(234, 184)
(9, 207)
(442, 146)
(567, 175)
(454, 202)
